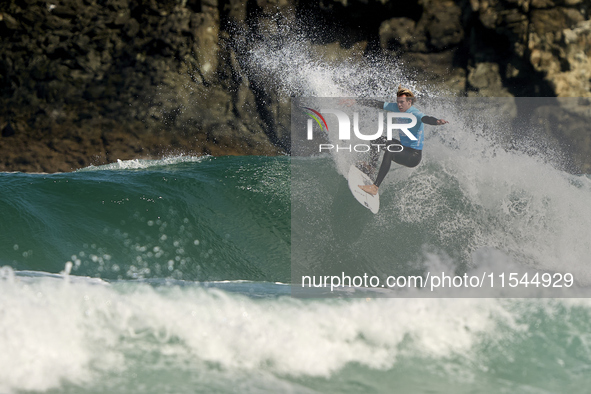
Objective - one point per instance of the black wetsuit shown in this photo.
(405, 156)
(393, 149)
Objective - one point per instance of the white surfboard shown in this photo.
(355, 178)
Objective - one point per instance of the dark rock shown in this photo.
(8, 130)
(441, 23)
(53, 22)
(132, 28)
(400, 34)
(64, 11)
(8, 23)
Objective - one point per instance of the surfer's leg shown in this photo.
(384, 168)
(408, 157)
(389, 156)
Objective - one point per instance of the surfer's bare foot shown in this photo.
(371, 189)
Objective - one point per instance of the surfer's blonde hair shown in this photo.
(406, 92)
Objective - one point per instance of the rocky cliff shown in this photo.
(92, 81)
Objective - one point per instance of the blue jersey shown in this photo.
(417, 130)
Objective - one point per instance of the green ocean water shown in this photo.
(180, 282)
(193, 219)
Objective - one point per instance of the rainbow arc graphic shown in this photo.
(318, 118)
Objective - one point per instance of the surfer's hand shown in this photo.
(441, 121)
(347, 102)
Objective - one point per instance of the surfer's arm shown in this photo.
(430, 120)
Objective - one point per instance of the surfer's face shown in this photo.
(404, 103)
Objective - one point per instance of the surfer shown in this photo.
(406, 152)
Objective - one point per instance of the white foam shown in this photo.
(54, 331)
(513, 201)
(46, 335)
(146, 163)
